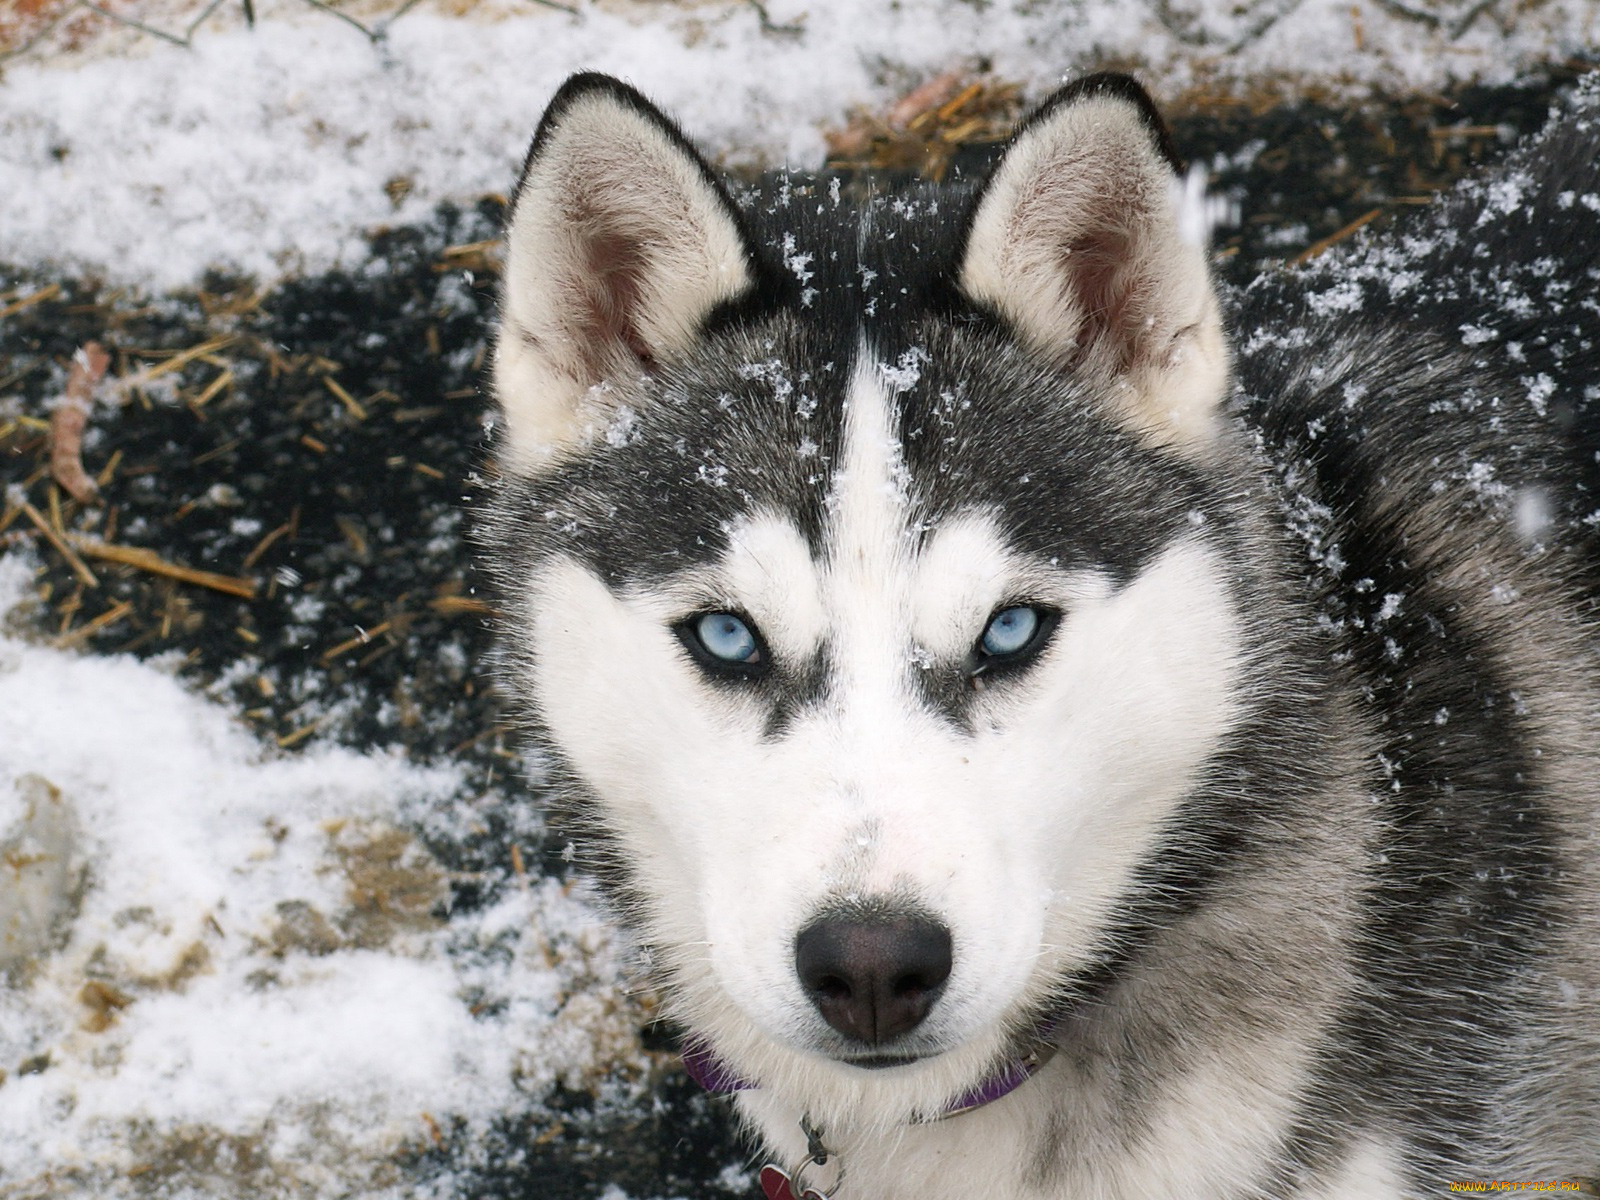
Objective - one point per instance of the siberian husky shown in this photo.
(1056, 730)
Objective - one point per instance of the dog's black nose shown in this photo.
(873, 979)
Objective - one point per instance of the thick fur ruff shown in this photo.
(1282, 826)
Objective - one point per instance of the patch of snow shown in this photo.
(1503, 197)
(905, 372)
(1532, 514)
(226, 978)
(1540, 388)
(800, 265)
(1345, 296)
(273, 149)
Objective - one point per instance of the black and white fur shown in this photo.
(1287, 826)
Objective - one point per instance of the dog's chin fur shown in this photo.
(1281, 829)
(838, 1095)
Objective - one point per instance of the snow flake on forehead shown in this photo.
(788, 386)
(800, 266)
(906, 371)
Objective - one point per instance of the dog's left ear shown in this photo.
(1078, 241)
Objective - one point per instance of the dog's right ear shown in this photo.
(1079, 241)
(621, 241)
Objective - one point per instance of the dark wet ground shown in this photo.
(332, 465)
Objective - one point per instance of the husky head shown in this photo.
(865, 583)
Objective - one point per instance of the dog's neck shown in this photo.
(778, 1183)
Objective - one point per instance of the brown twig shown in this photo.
(451, 606)
(39, 297)
(266, 543)
(70, 419)
(109, 471)
(176, 362)
(212, 388)
(1317, 248)
(290, 740)
(433, 1129)
(55, 539)
(149, 560)
(345, 398)
(83, 633)
(929, 96)
(361, 639)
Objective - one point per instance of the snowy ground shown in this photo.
(239, 963)
(230, 968)
(274, 148)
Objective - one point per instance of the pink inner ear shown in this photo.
(612, 291)
(1102, 280)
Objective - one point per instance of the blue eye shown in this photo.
(727, 638)
(1010, 631)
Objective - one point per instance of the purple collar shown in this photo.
(711, 1073)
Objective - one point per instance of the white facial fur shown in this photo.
(1020, 835)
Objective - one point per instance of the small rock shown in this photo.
(37, 1065)
(104, 1002)
(394, 885)
(302, 927)
(41, 872)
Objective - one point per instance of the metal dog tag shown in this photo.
(777, 1185)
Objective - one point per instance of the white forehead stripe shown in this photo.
(867, 578)
(867, 504)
